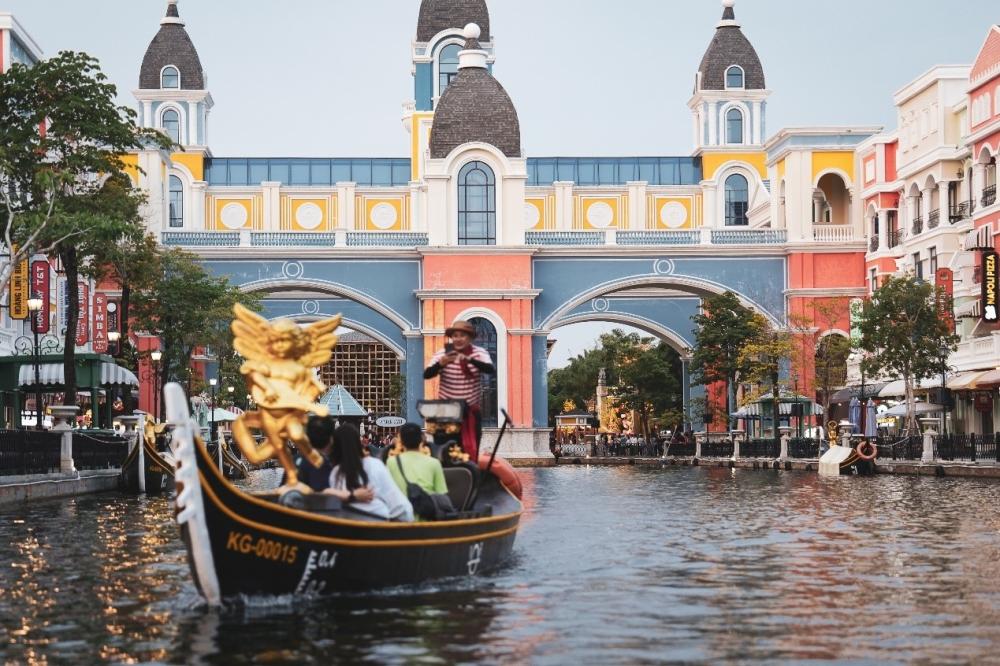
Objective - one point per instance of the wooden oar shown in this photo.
(503, 429)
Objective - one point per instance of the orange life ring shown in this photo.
(504, 472)
(860, 450)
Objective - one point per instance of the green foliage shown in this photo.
(725, 326)
(903, 336)
(576, 383)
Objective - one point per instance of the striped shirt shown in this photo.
(461, 380)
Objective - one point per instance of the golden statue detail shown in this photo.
(280, 358)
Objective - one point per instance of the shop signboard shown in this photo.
(944, 279)
(40, 288)
(990, 286)
(100, 323)
(19, 290)
(83, 320)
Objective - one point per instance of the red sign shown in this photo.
(945, 280)
(100, 323)
(83, 307)
(984, 402)
(40, 289)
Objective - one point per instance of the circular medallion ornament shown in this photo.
(233, 216)
(664, 267)
(293, 269)
(309, 216)
(673, 215)
(532, 216)
(384, 216)
(600, 215)
(601, 305)
(310, 307)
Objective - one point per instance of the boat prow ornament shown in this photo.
(281, 358)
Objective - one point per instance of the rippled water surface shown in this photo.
(612, 565)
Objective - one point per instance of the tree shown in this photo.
(724, 328)
(644, 377)
(188, 309)
(577, 382)
(903, 335)
(831, 365)
(61, 138)
(762, 358)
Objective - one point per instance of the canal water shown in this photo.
(612, 565)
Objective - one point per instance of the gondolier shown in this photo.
(460, 366)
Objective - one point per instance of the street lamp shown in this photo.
(113, 338)
(35, 308)
(156, 356)
(211, 433)
(945, 352)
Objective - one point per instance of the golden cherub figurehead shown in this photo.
(279, 368)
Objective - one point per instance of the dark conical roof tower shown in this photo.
(172, 46)
(730, 47)
(437, 16)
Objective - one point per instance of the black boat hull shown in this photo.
(258, 547)
(158, 471)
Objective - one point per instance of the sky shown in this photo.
(588, 77)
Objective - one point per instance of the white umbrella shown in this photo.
(871, 419)
(920, 409)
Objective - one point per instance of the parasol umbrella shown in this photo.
(854, 414)
(871, 419)
(920, 409)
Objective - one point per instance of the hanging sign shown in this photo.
(944, 279)
(40, 289)
(114, 348)
(100, 323)
(390, 422)
(20, 281)
(83, 317)
(990, 286)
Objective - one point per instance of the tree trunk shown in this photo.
(776, 395)
(123, 313)
(911, 427)
(69, 259)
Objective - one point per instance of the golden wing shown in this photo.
(250, 334)
(321, 342)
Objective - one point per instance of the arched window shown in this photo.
(734, 77)
(486, 337)
(447, 66)
(176, 202)
(737, 201)
(477, 205)
(734, 126)
(170, 77)
(172, 125)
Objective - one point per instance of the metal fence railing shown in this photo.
(900, 448)
(29, 452)
(98, 450)
(717, 449)
(973, 447)
(681, 449)
(760, 448)
(804, 448)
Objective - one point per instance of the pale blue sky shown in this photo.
(589, 77)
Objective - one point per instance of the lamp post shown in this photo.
(35, 308)
(945, 351)
(211, 433)
(156, 356)
(113, 338)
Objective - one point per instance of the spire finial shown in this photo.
(473, 55)
(173, 16)
(728, 13)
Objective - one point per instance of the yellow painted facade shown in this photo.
(415, 143)
(236, 213)
(193, 162)
(670, 213)
(308, 214)
(590, 211)
(381, 213)
(711, 162)
(841, 160)
(131, 167)
(546, 207)
(781, 170)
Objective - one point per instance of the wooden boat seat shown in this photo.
(461, 485)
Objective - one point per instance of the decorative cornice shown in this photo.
(480, 294)
(828, 291)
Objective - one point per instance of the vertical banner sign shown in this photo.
(990, 286)
(40, 288)
(112, 307)
(100, 323)
(20, 280)
(944, 279)
(62, 304)
(857, 305)
(83, 322)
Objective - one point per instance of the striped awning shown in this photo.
(341, 403)
(980, 239)
(970, 310)
(51, 374)
(965, 381)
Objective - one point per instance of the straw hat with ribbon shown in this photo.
(461, 326)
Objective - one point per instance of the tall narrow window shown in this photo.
(932, 262)
(170, 77)
(486, 337)
(734, 77)
(176, 202)
(734, 126)
(477, 205)
(737, 201)
(172, 125)
(447, 66)
(918, 266)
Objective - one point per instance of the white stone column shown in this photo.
(713, 123)
(199, 192)
(696, 122)
(943, 203)
(883, 230)
(757, 122)
(272, 206)
(928, 205)
(147, 114)
(416, 212)
(709, 213)
(978, 183)
(345, 205)
(564, 205)
(193, 124)
(636, 206)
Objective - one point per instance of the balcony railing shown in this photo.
(960, 212)
(749, 236)
(202, 238)
(989, 195)
(873, 244)
(895, 238)
(933, 219)
(918, 226)
(292, 239)
(564, 238)
(682, 237)
(386, 239)
(833, 233)
(227, 239)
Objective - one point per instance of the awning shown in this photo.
(898, 388)
(980, 239)
(970, 310)
(845, 394)
(52, 374)
(342, 403)
(988, 380)
(919, 408)
(965, 381)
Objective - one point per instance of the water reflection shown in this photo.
(613, 566)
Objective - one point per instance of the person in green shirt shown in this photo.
(420, 469)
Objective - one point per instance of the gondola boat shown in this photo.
(246, 544)
(152, 472)
(233, 468)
